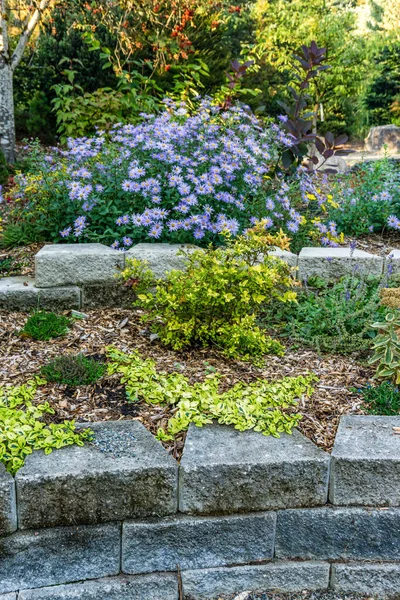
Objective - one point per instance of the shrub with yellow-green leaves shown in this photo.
(217, 299)
(267, 407)
(23, 430)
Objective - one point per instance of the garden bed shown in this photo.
(22, 358)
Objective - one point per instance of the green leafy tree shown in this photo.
(283, 27)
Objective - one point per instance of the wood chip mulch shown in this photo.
(22, 260)
(21, 358)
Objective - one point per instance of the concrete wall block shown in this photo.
(226, 471)
(76, 264)
(161, 258)
(62, 555)
(210, 584)
(333, 263)
(20, 293)
(366, 578)
(197, 543)
(163, 586)
(338, 533)
(125, 473)
(365, 468)
(8, 506)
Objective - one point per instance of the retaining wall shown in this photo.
(119, 518)
(75, 276)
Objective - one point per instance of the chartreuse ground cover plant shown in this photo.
(216, 300)
(177, 176)
(268, 407)
(73, 370)
(23, 428)
(44, 326)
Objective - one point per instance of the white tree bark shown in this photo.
(8, 64)
(7, 123)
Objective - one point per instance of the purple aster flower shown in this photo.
(65, 232)
(156, 231)
(393, 222)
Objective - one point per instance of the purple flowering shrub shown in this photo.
(368, 199)
(174, 177)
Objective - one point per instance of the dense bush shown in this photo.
(262, 406)
(73, 370)
(333, 318)
(44, 326)
(172, 178)
(23, 429)
(367, 199)
(215, 301)
(382, 399)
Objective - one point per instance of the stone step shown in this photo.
(62, 555)
(75, 264)
(226, 471)
(365, 467)
(197, 543)
(333, 533)
(163, 586)
(210, 584)
(20, 293)
(333, 263)
(125, 474)
(8, 506)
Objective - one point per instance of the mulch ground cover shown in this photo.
(21, 358)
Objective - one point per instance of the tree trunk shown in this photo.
(7, 121)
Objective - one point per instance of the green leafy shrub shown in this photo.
(43, 326)
(386, 348)
(216, 300)
(73, 370)
(366, 198)
(262, 406)
(22, 429)
(382, 399)
(333, 318)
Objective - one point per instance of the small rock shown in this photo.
(153, 337)
(79, 315)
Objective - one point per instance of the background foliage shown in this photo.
(98, 62)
